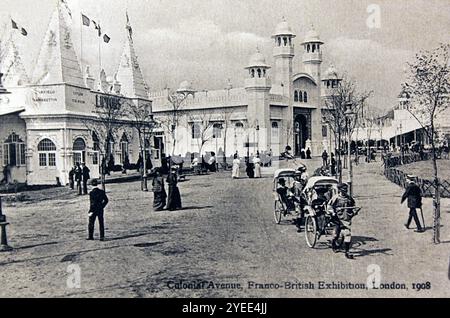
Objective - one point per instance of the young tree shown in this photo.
(344, 94)
(202, 128)
(225, 118)
(172, 120)
(105, 123)
(142, 121)
(428, 86)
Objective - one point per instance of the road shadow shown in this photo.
(124, 237)
(187, 208)
(35, 245)
(362, 253)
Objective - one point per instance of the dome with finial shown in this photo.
(331, 73)
(185, 86)
(257, 60)
(283, 28)
(312, 36)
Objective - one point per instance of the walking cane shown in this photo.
(423, 219)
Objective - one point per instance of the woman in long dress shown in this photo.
(257, 163)
(174, 198)
(159, 192)
(236, 167)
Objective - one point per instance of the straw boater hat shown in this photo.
(411, 178)
(343, 186)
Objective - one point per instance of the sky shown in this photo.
(210, 41)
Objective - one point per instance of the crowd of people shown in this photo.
(79, 176)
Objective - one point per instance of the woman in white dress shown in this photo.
(236, 167)
(257, 163)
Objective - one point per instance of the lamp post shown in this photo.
(4, 247)
(349, 114)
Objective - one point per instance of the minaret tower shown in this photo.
(312, 56)
(257, 85)
(283, 54)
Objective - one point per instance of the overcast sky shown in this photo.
(210, 41)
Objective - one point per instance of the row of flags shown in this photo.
(16, 26)
(87, 22)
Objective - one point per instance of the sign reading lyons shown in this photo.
(107, 101)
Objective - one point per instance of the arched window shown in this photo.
(96, 143)
(308, 48)
(47, 153)
(14, 153)
(195, 131)
(252, 73)
(79, 148)
(313, 48)
(295, 96)
(239, 125)
(300, 96)
(285, 41)
(279, 41)
(259, 73)
(217, 130)
(124, 159)
(305, 97)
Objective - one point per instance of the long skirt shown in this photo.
(236, 172)
(257, 170)
(174, 199)
(159, 200)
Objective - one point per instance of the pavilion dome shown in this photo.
(283, 28)
(257, 60)
(312, 37)
(331, 73)
(185, 86)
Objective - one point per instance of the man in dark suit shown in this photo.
(86, 176)
(78, 177)
(414, 196)
(98, 200)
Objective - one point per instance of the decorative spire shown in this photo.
(11, 64)
(129, 73)
(57, 61)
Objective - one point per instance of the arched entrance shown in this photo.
(79, 151)
(301, 133)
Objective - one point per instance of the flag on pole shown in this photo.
(24, 32)
(97, 27)
(106, 38)
(14, 24)
(86, 20)
(67, 8)
(129, 28)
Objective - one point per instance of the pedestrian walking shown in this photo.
(174, 197)
(324, 158)
(250, 169)
(159, 191)
(6, 173)
(85, 172)
(72, 178)
(257, 165)
(236, 167)
(308, 153)
(333, 165)
(414, 196)
(98, 202)
(78, 178)
(212, 162)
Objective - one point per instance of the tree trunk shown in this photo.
(437, 195)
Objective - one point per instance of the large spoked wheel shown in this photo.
(311, 231)
(278, 211)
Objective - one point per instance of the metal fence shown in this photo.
(399, 177)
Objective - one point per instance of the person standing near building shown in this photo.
(86, 176)
(414, 196)
(174, 198)
(325, 158)
(98, 202)
(78, 177)
(333, 165)
(308, 153)
(257, 164)
(236, 167)
(72, 178)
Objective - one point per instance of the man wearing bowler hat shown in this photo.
(414, 196)
(98, 200)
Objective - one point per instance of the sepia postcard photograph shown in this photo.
(224, 149)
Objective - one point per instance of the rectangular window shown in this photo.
(42, 160)
(52, 160)
(324, 131)
(23, 155)
(95, 158)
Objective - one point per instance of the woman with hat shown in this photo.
(236, 167)
(159, 192)
(174, 197)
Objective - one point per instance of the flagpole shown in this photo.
(81, 44)
(99, 46)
